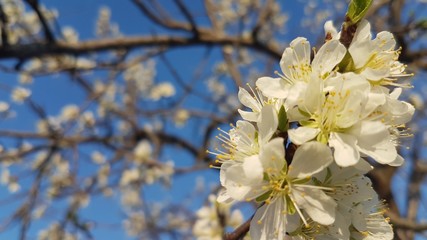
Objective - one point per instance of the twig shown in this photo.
(239, 232)
(47, 32)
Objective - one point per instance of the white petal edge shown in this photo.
(345, 149)
(309, 159)
(273, 87)
(302, 134)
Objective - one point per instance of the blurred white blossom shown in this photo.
(70, 112)
(98, 157)
(70, 34)
(208, 225)
(55, 232)
(129, 176)
(4, 107)
(135, 224)
(142, 151)
(181, 117)
(162, 90)
(20, 94)
(25, 78)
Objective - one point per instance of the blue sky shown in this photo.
(57, 91)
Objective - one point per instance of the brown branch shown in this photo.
(24, 213)
(3, 27)
(46, 29)
(263, 17)
(188, 16)
(44, 49)
(239, 232)
(403, 223)
(347, 32)
(381, 178)
(233, 69)
(161, 19)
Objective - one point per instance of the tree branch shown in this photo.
(239, 232)
(46, 29)
(45, 49)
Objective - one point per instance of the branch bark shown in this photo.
(46, 49)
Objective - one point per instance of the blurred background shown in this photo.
(107, 109)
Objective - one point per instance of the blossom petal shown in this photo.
(296, 92)
(268, 124)
(361, 46)
(329, 55)
(319, 206)
(310, 158)
(253, 168)
(293, 222)
(385, 41)
(363, 166)
(358, 217)
(269, 221)
(302, 134)
(375, 74)
(400, 111)
(330, 29)
(238, 185)
(375, 100)
(249, 116)
(273, 155)
(248, 100)
(223, 197)
(313, 97)
(296, 59)
(273, 87)
(373, 139)
(339, 229)
(397, 162)
(345, 149)
(351, 111)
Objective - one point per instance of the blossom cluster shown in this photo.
(209, 220)
(309, 136)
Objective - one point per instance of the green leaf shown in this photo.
(309, 123)
(316, 181)
(283, 119)
(357, 10)
(266, 177)
(346, 64)
(328, 174)
(290, 206)
(302, 180)
(285, 167)
(322, 137)
(263, 197)
(422, 24)
(305, 114)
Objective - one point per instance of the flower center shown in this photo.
(327, 115)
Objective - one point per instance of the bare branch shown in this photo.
(47, 31)
(83, 48)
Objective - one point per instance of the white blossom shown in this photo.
(4, 107)
(55, 232)
(70, 35)
(20, 94)
(25, 78)
(97, 157)
(208, 223)
(331, 114)
(142, 152)
(70, 112)
(181, 117)
(135, 224)
(129, 176)
(162, 90)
